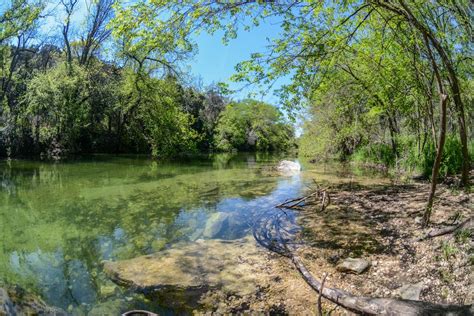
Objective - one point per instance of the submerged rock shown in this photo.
(196, 235)
(288, 167)
(410, 291)
(214, 224)
(6, 304)
(353, 265)
(158, 244)
(16, 301)
(112, 307)
(107, 289)
(235, 266)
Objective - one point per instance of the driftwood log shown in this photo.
(271, 232)
(378, 306)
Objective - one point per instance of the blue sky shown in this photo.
(215, 61)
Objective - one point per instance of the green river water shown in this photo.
(59, 221)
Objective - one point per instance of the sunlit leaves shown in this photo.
(252, 125)
(18, 16)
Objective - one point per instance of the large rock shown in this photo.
(287, 167)
(234, 266)
(214, 224)
(410, 291)
(353, 265)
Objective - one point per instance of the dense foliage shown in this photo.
(91, 92)
(252, 125)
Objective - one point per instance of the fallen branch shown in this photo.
(270, 233)
(295, 203)
(323, 203)
(448, 230)
(378, 306)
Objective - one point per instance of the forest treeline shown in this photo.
(82, 91)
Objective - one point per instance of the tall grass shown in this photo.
(411, 159)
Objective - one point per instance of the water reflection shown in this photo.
(59, 221)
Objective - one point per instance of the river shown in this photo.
(60, 221)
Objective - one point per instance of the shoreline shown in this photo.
(378, 223)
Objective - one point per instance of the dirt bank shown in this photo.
(380, 224)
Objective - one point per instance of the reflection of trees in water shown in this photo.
(234, 159)
(59, 235)
(31, 174)
(124, 229)
(60, 279)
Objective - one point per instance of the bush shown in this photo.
(409, 157)
(451, 162)
(58, 106)
(159, 123)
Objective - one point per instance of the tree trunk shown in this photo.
(437, 163)
(393, 132)
(466, 164)
(433, 126)
(453, 80)
(443, 100)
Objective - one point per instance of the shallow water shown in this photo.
(59, 221)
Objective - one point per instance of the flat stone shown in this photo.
(214, 224)
(410, 291)
(353, 265)
(234, 266)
